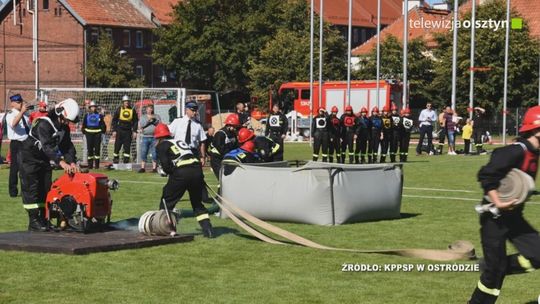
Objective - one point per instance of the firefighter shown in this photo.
(405, 128)
(48, 142)
(320, 125)
(17, 126)
(479, 129)
(375, 138)
(93, 126)
(387, 131)
(244, 154)
(395, 138)
(265, 148)
(510, 225)
(348, 130)
(362, 136)
(184, 170)
(334, 136)
(125, 122)
(224, 141)
(42, 111)
(277, 126)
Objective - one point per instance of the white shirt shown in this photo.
(17, 133)
(427, 117)
(178, 129)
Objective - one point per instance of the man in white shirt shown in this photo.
(17, 131)
(189, 130)
(426, 119)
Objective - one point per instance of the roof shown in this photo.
(163, 9)
(119, 13)
(530, 11)
(364, 12)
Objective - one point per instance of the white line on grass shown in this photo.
(440, 190)
(454, 198)
(150, 183)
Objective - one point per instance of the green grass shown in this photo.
(234, 268)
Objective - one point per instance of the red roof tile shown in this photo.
(530, 11)
(364, 12)
(162, 9)
(110, 13)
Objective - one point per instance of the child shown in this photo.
(467, 134)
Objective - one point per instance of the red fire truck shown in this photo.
(294, 96)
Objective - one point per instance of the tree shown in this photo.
(489, 52)
(419, 71)
(107, 68)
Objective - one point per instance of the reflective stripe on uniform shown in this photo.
(275, 148)
(491, 291)
(315, 155)
(325, 155)
(186, 162)
(90, 157)
(126, 155)
(33, 206)
(92, 130)
(115, 154)
(202, 217)
(214, 150)
(525, 263)
(97, 157)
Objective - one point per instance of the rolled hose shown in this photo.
(515, 185)
(156, 223)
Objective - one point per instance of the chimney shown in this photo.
(412, 3)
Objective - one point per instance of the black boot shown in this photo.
(126, 160)
(369, 159)
(90, 163)
(207, 229)
(97, 164)
(35, 222)
(356, 160)
(315, 158)
(324, 159)
(383, 159)
(116, 160)
(331, 159)
(351, 159)
(392, 158)
(363, 160)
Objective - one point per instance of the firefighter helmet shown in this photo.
(92, 104)
(375, 110)
(348, 108)
(385, 109)
(335, 109)
(161, 131)
(244, 135)
(394, 107)
(68, 108)
(125, 98)
(531, 120)
(248, 146)
(406, 111)
(321, 109)
(232, 120)
(42, 104)
(363, 110)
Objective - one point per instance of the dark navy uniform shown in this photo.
(405, 128)
(238, 155)
(277, 126)
(375, 138)
(266, 148)
(334, 138)
(93, 126)
(387, 130)
(363, 131)
(395, 137)
(320, 126)
(124, 123)
(348, 130)
(224, 140)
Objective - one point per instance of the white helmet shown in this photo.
(92, 104)
(125, 98)
(68, 108)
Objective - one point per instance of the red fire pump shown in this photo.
(80, 201)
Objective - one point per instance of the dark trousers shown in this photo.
(347, 144)
(320, 140)
(467, 147)
(494, 233)
(93, 145)
(425, 131)
(123, 140)
(477, 135)
(190, 179)
(36, 180)
(373, 147)
(276, 137)
(404, 146)
(15, 147)
(394, 144)
(360, 152)
(442, 137)
(215, 163)
(385, 144)
(335, 147)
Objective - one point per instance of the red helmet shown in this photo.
(321, 109)
(531, 120)
(161, 131)
(406, 111)
(375, 110)
(348, 108)
(232, 120)
(363, 110)
(335, 109)
(394, 107)
(248, 146)
(244, 135)
(385, 109)
(42, 104)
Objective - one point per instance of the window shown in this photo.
(126, 38)
(139, 70)
(45, 4)
(58, 12)
(108, 31)
(139, 39)
(94, 34)
(305, 95)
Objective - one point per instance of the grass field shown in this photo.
(437, 208)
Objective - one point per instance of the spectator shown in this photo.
(479, 129)
(467, 133)
(242, 114)
(426, 119)
(17, 130)
(450, 129)
(209, 138)
(442, 130)
(147, 124)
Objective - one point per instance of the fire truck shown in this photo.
(294, 99)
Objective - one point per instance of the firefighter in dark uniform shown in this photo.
(362, 136)
(125, 122)
(387, 131)
(320, 125)
(395, 138)
(375, 138)
(224, 140)
(479, 128)
(276, 129)
(510, 225)
(49, 142)
(405, 128)
(334, 136)
(265, 148)
(244, 154)
(348, 130)
(93, 126)
(185, 173)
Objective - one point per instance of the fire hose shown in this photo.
(459, 250)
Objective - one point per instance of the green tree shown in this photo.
(419, 72)
(489, 52)
(107, 68)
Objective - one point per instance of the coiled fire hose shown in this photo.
(459, 250)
